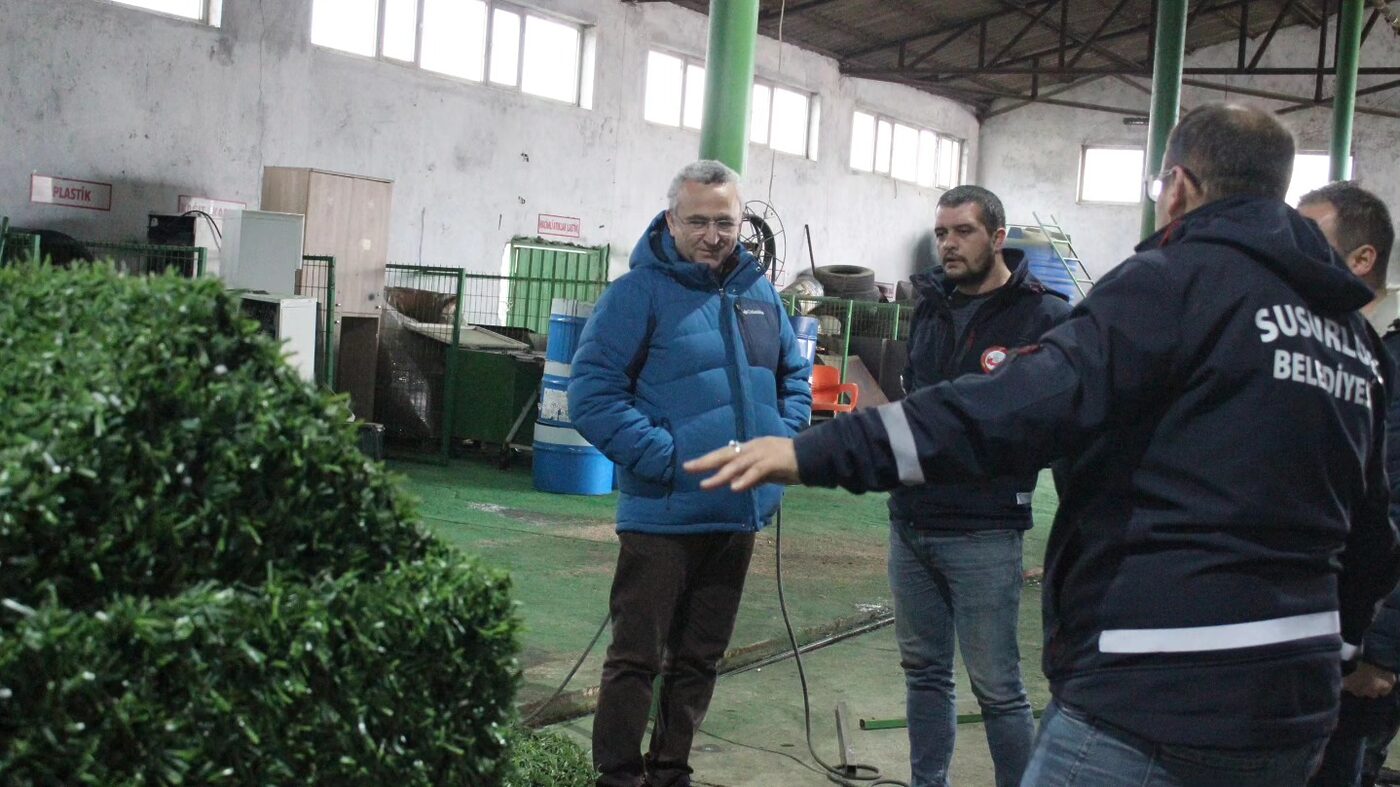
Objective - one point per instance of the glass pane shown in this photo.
(347, 25)
(505, 48)
(190, 9)
(884, 132)
(863, 142)
(551, 59)
(814, 127)
(400, 29)
(663, 94)
(454, 38)
(758, 119)
(694, 95)
(789, 122)
(1111, 175)
(905, 162)
(928, 158)
(1310, 171)
(950, 162)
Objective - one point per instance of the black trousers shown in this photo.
(674, 601)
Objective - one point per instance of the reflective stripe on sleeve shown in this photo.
(906, 456)
(1198, 639)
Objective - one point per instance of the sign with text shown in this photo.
(216, 208)
(47, 190)
(561, 226)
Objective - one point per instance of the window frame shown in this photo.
(586, 49)
(211, 12)
(940, 138)
(1138, 181)
(810, 130)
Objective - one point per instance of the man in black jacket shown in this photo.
(1223, 529)
(955, 549)
(1357, 225)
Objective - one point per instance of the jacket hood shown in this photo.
(657, 249)
(1277, 237)
(934, 281)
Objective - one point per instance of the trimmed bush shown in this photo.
(152, 441)
(547, 759)
(202, 581)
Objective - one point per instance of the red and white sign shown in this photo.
(89, 194)
(561, 226)
(992, 358)
(214, 207)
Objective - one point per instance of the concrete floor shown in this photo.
(560, 551)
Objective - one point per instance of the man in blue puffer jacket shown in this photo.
(688, 352)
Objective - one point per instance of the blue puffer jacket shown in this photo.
(672, 365)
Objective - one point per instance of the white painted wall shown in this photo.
(163, 107)
(1030, 156)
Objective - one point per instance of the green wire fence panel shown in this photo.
(454, 345)
(847, 327)
(130, 258)
(20, 246)
(316, 279)
(541, 271)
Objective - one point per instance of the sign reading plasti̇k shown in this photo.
(48, 190)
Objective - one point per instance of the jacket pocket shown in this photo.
(761, 331)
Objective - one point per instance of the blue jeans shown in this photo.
(1074, 750)
(968, 584)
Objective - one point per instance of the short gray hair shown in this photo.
(706, 172)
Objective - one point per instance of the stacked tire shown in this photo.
(853, 282)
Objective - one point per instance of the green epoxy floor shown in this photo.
(560, 552)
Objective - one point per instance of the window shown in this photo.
(1310, 171)
(780, 118)
(904, 152)
(1111, 174)
(476, 40)
(208, 11)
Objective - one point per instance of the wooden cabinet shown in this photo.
(347, 217)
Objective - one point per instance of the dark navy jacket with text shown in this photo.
(1219, 406)
(1015, 315)
(674, 364)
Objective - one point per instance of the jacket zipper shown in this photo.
(729, 305)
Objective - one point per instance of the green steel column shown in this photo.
(1166, 92)
(1344, 102)
(724, 130)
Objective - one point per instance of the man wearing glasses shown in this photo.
(1219, 403)
(690, 351)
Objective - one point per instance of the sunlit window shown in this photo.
(209, 11)
(476, 40)
(1310, 171)
(1111, 174)
(780, 118)
(905, 152)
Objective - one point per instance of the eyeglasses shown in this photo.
(1158, 183)
(699, 225)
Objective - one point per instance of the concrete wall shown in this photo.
(1030, 156)
(163, 107)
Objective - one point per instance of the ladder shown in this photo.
(1059, 241)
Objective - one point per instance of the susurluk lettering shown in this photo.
(1294, 321)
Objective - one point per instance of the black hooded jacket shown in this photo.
(1015, 315)
(1223, 528)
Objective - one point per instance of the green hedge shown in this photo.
(397, 680)
(202, 580)
(547, 759)
(151, 442)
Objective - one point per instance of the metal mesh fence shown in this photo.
(130, 258)
(316, 279)
(435, 328)
(843, 323)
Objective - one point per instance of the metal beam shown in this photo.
(1098, 31)
(1269, 37)
(926, 74)
(1166, 93)
(1016, 39)
(909, 39)
(795, 8)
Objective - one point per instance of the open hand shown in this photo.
(746, 465)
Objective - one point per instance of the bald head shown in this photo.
(1233, 150)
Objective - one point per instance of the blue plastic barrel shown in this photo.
(1044, 263)
(806, 329)
(565, 463)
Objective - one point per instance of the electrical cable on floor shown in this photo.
(537, 711)
(853, 774)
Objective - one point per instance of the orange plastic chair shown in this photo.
(827, 390)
